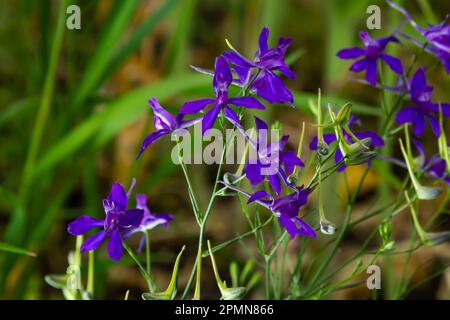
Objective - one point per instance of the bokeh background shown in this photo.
(73, 111)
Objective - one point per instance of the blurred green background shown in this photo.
(73, 111)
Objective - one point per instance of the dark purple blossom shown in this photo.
(117, 221)
(271, 156)
(423, 108)
(149, 220)
(260, 71)
(372, 52)
(375, 140)
(221, 81)
(165, 123)
(433, 166)
(286, 209)
(437, 37)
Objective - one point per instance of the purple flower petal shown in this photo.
(93, 241)
(232, 116)
(118, 196)
(210, 118)
(394, 63)
(406, 115)
(83, 224)
(115, 247)
(290, 160)
(275, 183)
(151, 138)
(237, 59)
(359, 65)
(435, 126)
(371, 72)
(419, 124)
(195, 106)
(263, 40)
(253, 173)
(163, 120)
(289, 225)
(222, 76)
(305, 229)
(418, 83)
(258, 195)
(351, 53)
(248, 102)
(269, 87)
(132, 218)
(287, 72)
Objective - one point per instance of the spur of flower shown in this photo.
(149, 220)
(165, 123)
(369, 56)
(437, 37)
(422, 107)
(260, 72)
(272, 158)
(372, 140)
(221, 82)
(117, 221)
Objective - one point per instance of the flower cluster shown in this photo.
(414, 106)
(257, 78)
(421, 107)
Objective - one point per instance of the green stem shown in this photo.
(147, 251)
(46, 101)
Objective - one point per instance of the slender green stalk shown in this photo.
(147, 251)
(46, 101)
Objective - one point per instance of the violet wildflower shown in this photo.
(149, 220)
(117, 221)
(423, 108)
(286, 210)
(375, 140)
(221, 82)
(433, 166)
(264, 82)
(437, 37)
(270, 156)
(373, 51)
(165, 123)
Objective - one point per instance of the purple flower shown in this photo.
(373, 51)
(434, 166)
(221, 81)
(286, 210)
(265, 83)
(149, 220)
(165, 123)
(422, 108)
(376, 140)
(269, 157)
(117, 221)
(437, 38)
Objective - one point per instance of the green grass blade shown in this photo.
(12, 249)
(118, 20)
